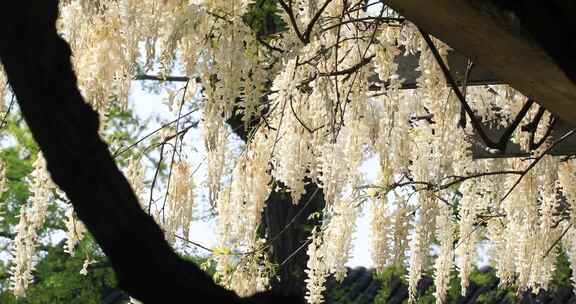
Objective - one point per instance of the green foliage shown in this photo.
(563, 273)
(18, 154)
(485, 282)
(56, 275)
(123, 129)
(389, 277)
(57, 279)
(493, 292)
(263, 17)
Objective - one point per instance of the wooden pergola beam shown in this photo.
(511, 42)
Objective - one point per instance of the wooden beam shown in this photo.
(457, 63)
(502, 40)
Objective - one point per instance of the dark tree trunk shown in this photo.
(285, 225)
(37, 62)
(288, 228)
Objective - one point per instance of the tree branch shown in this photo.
(351, 69)
(310, 27)
(288, 9)
(500, 145)
(162, 78)
(536, 160)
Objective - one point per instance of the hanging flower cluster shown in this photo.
(32, 218)
(316, 271)
(75, 230)
(3, 185)
(180, 201)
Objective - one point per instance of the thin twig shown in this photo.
(175, 146)
(435, 187)
(351, 69)
(162, 78)
(155, 178)
(5, 118)
(536, 160)
(390, 21)
(122, 151)
(308, 31)
(298, 118)
(166, 140)
(288, 9)
(193, 243)
(295, 252)
(469, 66)
(557, 240)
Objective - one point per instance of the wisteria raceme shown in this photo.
(333, 170)
(444, 262)
(32, 217)
(337, 238)
(410, 39)
(41, 192)
(569, 243)
(135, 174)
(249, 275)
(3, 185)
(87, 262)
(180, 201)
(468, 234)
(3, 89)
(316, 269)
(548, 230)
(75, 230)
(258, 183)
(420, 243)
(431, 79)
(381, 229)
(524, 213)
(386, 53)
(215, 141)
(401, 230)
(292, 151)
(23, 250)
(567, 182)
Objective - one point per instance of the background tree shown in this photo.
(57, 273)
